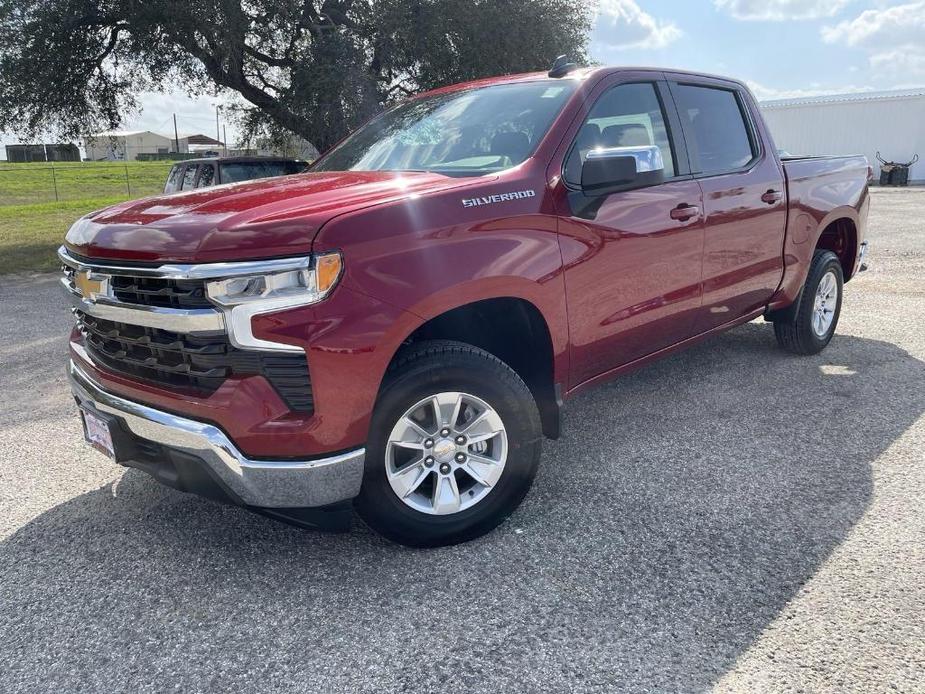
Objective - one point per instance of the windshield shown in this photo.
(469, 132)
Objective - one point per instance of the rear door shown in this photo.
(632, 258)
(744, 198)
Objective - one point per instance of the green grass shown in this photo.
(30, 234)
(23, 184)
(33, 223)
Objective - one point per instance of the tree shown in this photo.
(316, 68)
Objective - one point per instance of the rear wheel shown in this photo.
(819, 308)
(453, 447)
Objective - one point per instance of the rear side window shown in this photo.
(206, 176)
(628, 115)
(188, 177)
(718, 136)
(173, 180)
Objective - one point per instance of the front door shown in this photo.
(744, 200)
(632, 258)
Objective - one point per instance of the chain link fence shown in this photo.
(27, 184)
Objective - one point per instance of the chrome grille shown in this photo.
(200, 363)
(156, 324)
(158, 291)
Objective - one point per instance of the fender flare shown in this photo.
(484, 289)
(548, 395)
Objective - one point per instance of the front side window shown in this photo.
(627, 115)
(468, 132)
(718, 136)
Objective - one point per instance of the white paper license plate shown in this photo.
(96, 431)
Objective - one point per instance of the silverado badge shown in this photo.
(499, 197)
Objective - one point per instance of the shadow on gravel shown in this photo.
(684, 506)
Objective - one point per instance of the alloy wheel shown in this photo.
(825, 303)
(446, 453)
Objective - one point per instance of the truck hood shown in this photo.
(267, 218)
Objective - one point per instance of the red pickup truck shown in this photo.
(396, 329)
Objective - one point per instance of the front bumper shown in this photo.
(264, 484)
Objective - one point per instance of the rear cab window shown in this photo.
(719, 135)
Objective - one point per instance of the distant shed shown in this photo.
(891, 122)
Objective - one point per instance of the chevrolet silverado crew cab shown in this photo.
(396, 329)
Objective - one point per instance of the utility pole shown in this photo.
(218, 135)
(176, 135)
(225, 140)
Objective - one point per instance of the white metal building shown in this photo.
(197, 142)
(120, 145)
(892, 123)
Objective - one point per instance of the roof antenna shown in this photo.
(561, 67)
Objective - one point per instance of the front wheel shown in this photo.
(453, 448)
(819, 308)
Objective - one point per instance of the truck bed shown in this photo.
(820, 190)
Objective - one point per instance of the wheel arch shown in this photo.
(513, 329)
(838, 232)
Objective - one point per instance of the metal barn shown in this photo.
(892, 123)
(122, 145)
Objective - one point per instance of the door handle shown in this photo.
(771, 197)
(684, 212)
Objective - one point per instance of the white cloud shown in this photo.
(880, 27)
(892, 36)
(780, 10)
(623, 24)
(903, 61)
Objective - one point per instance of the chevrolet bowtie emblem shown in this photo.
(90, 286)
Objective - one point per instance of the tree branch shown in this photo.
(267, 59)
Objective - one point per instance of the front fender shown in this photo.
(430, 255)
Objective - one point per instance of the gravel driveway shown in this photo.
(731, 518)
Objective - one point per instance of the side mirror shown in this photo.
(612, 169)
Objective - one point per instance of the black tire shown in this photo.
(422, 370)
(797, 336)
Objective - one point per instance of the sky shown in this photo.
(781, 48)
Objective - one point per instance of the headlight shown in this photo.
(306, 285)
(245, 296)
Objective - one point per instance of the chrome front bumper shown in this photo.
(261, 483)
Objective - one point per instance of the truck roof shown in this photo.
(238, 159)
(580, 74)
